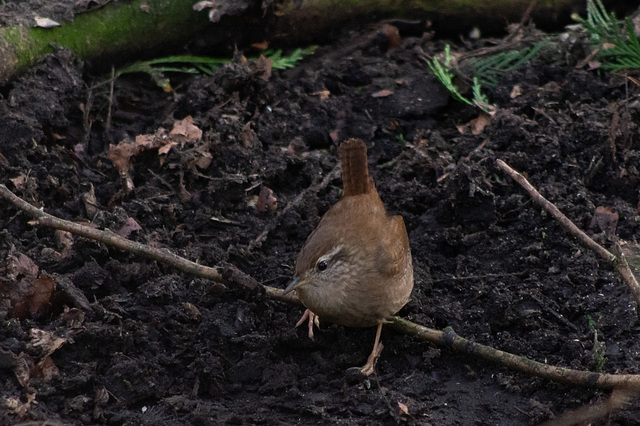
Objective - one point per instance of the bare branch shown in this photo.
(450, 339)
(109, 238)
(617, 260)
(446, 338)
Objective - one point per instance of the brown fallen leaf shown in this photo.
(606, 220)
(201, 158)
(22, 369)
(27, 290)
(185, 131)
(64, 241)
(45, 341)
(90, 201)
(46, 369)
(382, 93)
(74, 317)
(262, 68)
(403, 408)
(392, 34)
(516, 91)
(129, 226)
(261, 45)
(324, 94)
(477, 125)
(193, 311)
(15, 406)
(19, 182)
(267, 202)
(249, 137)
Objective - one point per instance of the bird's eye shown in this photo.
(322, 265)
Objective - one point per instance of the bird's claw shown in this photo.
(313, 320)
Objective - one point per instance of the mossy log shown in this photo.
(123, 28)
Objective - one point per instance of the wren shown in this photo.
(355, 268)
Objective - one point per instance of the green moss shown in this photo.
(115, 28)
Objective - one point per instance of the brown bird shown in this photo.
(355, 267)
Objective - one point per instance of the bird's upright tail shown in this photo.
(355, 171)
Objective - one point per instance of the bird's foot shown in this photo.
(370, 366)
(313, 320)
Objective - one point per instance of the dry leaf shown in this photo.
(594, 65)
(382, 94)
(90, 202)
(552, 87)
(606, 220)
(22, 369)
(185, 131)
(403, 408)
(201, 158)
(392, 34)
(334, 135)
(261, 45)
(477, 125)
(263, 67)
(27, 292)
(18, 408)
(64, 241)
(19, 182)
(164, 149)
(249, 137)
(46, 23)
(46, 369)
(144, 142)
(45, 341)
(193, 311)
(129, 226)
(516, 91)
(74, 317)
(267, 202)
(324, 94)
(122, 153)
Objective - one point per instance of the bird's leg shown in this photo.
(370, 366)
(313, 320)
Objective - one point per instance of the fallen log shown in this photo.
(122, 29)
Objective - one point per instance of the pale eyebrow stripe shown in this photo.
(330, 254)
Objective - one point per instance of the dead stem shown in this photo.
(617, 260)
(111, 84)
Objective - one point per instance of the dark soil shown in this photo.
(149, 345)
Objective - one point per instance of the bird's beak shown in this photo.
(297, 282)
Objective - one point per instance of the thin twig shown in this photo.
(625, 271)
(525, 17)
(619, 262)
(109, 238)
(591, 413)
(113, 80)
(450, 339)
(555, 212)
(315, 187)
(443, 338)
